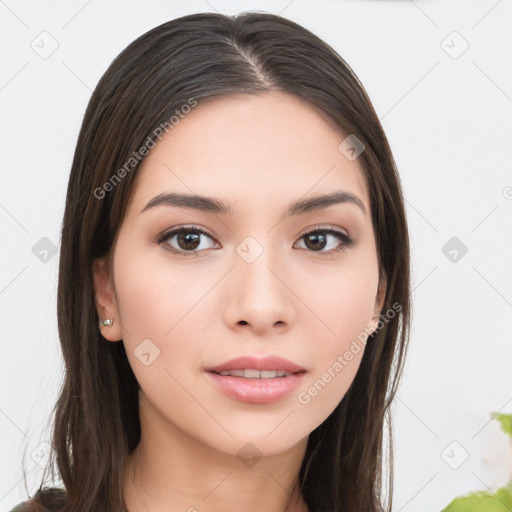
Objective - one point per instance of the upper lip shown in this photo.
(267, 363)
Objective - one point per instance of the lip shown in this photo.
(267, 363)
(257, 391)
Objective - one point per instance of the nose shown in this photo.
(259, 296)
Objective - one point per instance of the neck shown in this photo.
(171, 471)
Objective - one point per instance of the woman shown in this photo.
(233, 299)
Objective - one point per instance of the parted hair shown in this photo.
(95, 421)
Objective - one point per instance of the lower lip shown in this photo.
(256, 391)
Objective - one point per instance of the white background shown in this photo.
(449, 122)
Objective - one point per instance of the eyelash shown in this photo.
(346, 240)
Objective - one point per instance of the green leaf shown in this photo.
(505, 422)
(483, 501)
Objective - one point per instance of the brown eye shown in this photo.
(316, 241)
(188, 241)
(320, 239)
(185, 240)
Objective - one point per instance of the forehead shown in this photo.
(252, 149)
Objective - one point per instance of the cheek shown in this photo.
(145, 302)
(154, 297)
(156, 305)
(343, 303)
(165, 304)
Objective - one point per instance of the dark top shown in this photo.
(21, 507)
(52, 498)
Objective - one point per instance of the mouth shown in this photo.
(256, 374)
(258, 381)
(253, 367)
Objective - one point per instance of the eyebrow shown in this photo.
(212, 205)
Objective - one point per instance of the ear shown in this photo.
(105, 300)
(379, 303)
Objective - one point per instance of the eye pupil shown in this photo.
(184, 239)
(315, 237)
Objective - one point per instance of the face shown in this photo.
(255, 280)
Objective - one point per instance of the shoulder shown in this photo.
(49, 499)
(21, 507)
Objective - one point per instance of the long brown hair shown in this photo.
(203, 57)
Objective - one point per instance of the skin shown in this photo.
(258, 154)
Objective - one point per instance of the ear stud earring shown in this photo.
(107, 323)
